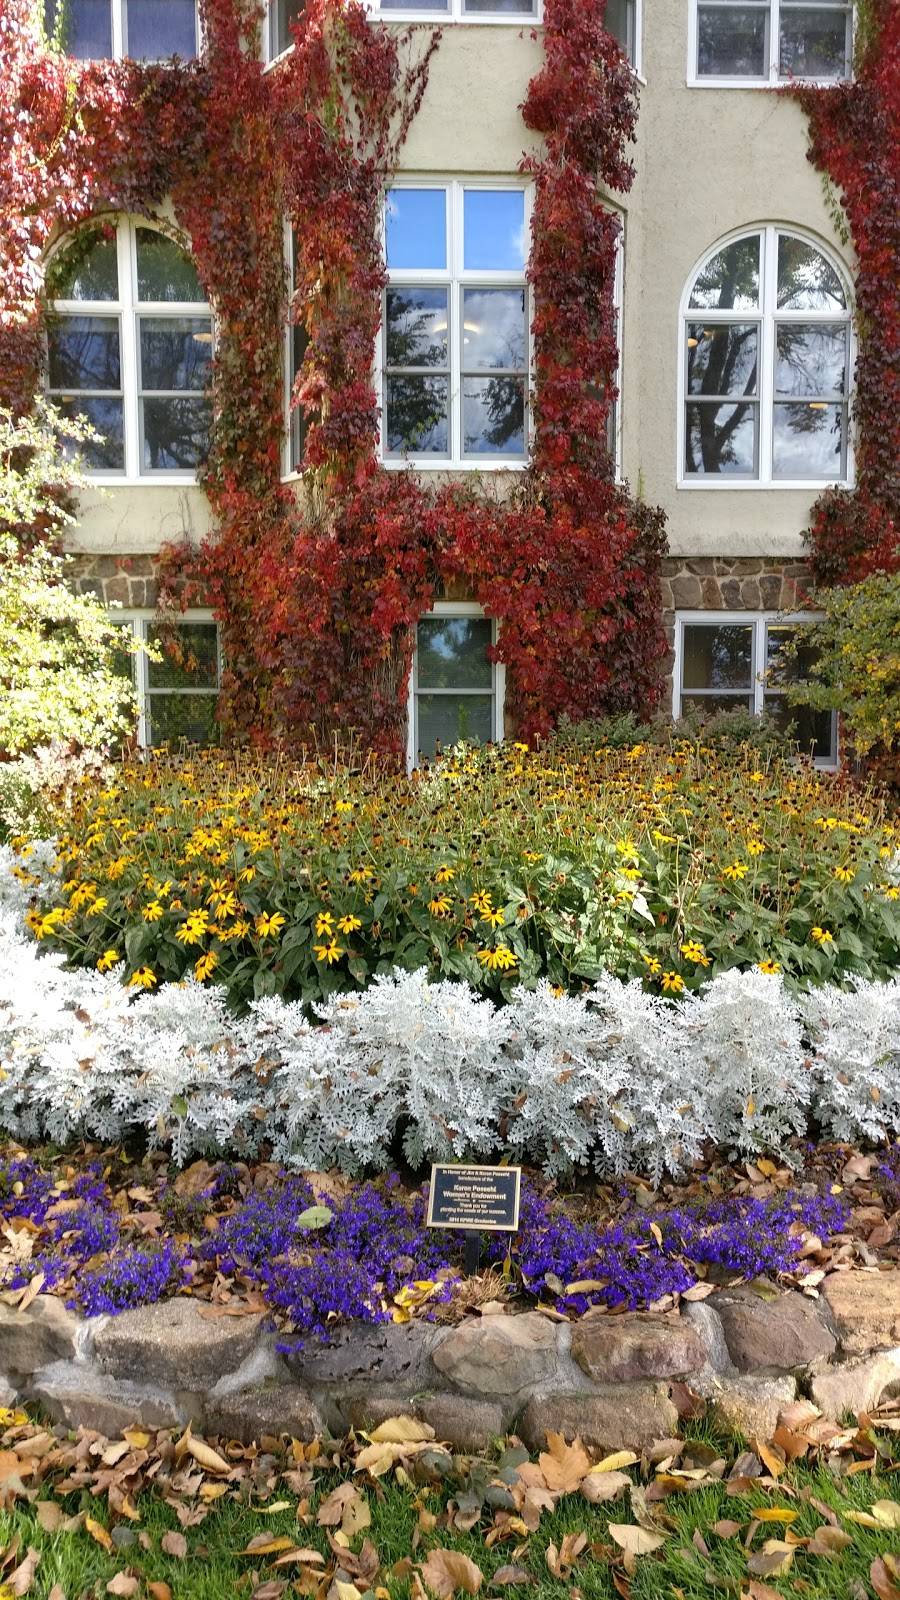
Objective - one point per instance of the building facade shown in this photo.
(735, 315)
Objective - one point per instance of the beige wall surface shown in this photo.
(708, 162)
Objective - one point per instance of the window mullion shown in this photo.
(775, 41)
(759, 664)
(769, 293)
(129, 348)
(118, 28)
(143, 687)
(454, 318)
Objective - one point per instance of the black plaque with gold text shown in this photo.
(482, 1199)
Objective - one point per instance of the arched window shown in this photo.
(766, 364)
(145, 30)
(129, 346)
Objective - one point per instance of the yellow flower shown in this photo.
(269, 927)
(494, 919)
(628, 850)
(444, 875)
(757, 777)
(33, 920)
(822, 936)
(736, 871)
(108, 959)
(246, 874)
(343, 805)
(152, 911)
(844, 874)
(144, 978)
(653, 966)
(482, 901)
(98, 905)
(349, 924)
(770, 968)
(193, 930)
(205, 966)
(531, 856)
(695, 952)
(117, 868)
(500, 959)
(440, 906)
(329, 953)
(755, 847)
(324, 924)
(672, 982)
(361, 875)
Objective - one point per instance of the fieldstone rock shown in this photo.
(622, 1349)
(625, 1416)
(263, 1365)
(855, 1386)
(498, 1355)
(45, 1333)
(389, 1353)
(82, 1397)
(708, 1325)
(773, 1335)
(174, 1345)
(7, 1393)
(750, 1405)
(463, 1423)
(866, 1309)
(275, 1409)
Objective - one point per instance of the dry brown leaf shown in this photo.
(378, 1459)
(174, 1544)
(272, 1589)
(561, 1561)
(762, 1591)
(510, 1577)
(331, 1512)
(446, 1572)
(125, 1584)
(49, 1514)
(57, 1592)
(773, 1560)
(635, 1541)
(114, 1452)
(884, 1576)
(563, 1465)
(19, 1582)
(599, 1487)
(265, 1545)
(207, 1458)
(159, 1591)
(615, 1462)
(98, 1533)
(827, 1541)
(401, 1430)
(726, 1528)
(771, 1455)
(887, 1513)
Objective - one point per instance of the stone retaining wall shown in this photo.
(611, 1379)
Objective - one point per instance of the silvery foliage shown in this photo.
(742, 1044)
(616, 1078)
(855, 1040)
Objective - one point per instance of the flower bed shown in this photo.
(498, 867)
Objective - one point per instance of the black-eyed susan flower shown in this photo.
(498, 959)
(269, 926)
(328, 953)
(109, 958)
(143, 978)
(349, 923)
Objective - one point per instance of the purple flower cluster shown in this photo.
(137, 1276)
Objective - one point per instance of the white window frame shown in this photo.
(289, 472)
(140, 621)
(697, 81)
(619, 307)
(455, 279)
(456, 13)
(119, 8)
(760, 622)
(128, 309)
(766, 317)
(452, 608)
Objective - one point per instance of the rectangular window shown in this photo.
(278, 35)
(622, 22)
(771, 41)
(84, 377)
(177, 695)
(145, 30)
(296, 344)
(726, 661)
(456, 332)
(456, 691)
(493, 10)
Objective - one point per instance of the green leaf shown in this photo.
(314, 1217)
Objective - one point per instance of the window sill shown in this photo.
(765, 83)
(173, 480)
(800, 485)
(393, 465)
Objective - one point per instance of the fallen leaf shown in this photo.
(49, 1514)
(726, 1529)
(207, 1458)
(887, 1513)
(560, 1562)
(58, 1592)
(777, 1514)
(159, 1591)
(615, 1463)
(19, 1582)
(563, 1465)
(272, 1589)
(510, 1577)
(828, 1542)
(602, 1486)
(448, 1571)
(401, 1430)
(263, 1545)
(773, 1560)
(99, 1533)
(635, 1541)
(884, 1576)
(124, 1583)
(331, 1512)
(174, 1544)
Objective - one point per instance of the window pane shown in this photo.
(717, 656)
(174, 433)
(418, 412)
(494, 416)
(299, 346)
(164, 271)
(444, 719)
(87, 269)
(86, 27)
(282, 16)
(709, 704)
(108, 419)
(452, 653)
(416, 229)
(806, 280)
(173, 717)
(730, 281)
(811, 358)
(175, 352)
(83, 353)
(156, 29)
(782, 669)
(494, 331)
(814, 42)
(809, 440)
(721, 438)
(721, 359)
(732, 42)
(442, 6)
(619, 21)
(813, 730)
(189, 656)
(494, 230)
(417, 328)
(500, 8)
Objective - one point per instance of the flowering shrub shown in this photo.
(617, 1078)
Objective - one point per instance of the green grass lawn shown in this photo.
(411, 1518)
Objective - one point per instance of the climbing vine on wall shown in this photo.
(318, 586)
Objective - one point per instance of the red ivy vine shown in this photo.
(855, 140)
(318, 590)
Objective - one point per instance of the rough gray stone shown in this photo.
(773, 1335)
(388, 1354)
(750, 1405)
(463, 1423)
(270, 1409)
(7, 1393)
(624, 1349)
(83, 1397)
(45, 1333)
(172, 1344)
(708, 1324)
(498, 1355)
(263, 1365)
(856, 1386)
(866, 1309)
(628, 1415)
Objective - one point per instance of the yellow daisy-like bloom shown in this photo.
(757, 777)
(144, 978)
(205, 966)
(246, 874)
(557, 991)
(237, 930)
(152, 911)
(349, 924)
(770, 968)
(500, 959)
(822, 936)
(755, 847)
(328, 953)
(440, 906)
(343, 805)
(482, 901)
(361, 875)
(653, 966)
(116, 869)
(108, 959)
(324, 924)
(81, 895)
(494, 919)
(269, 927)
(736, 871)
(98, 905)
(33, 920)
(444, 875)
(531, 856)
(672, 982)
(844, 874)
(891, 892)
(693, 951)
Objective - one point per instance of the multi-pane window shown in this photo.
(766, 364)
(501, 10)
(623, 22)
(145, 30)
(456, 691)
(296, 344)
(771, 41)
(129, 346)
(456, 329)
(281, 16)
(727, 661)
(177, 695)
